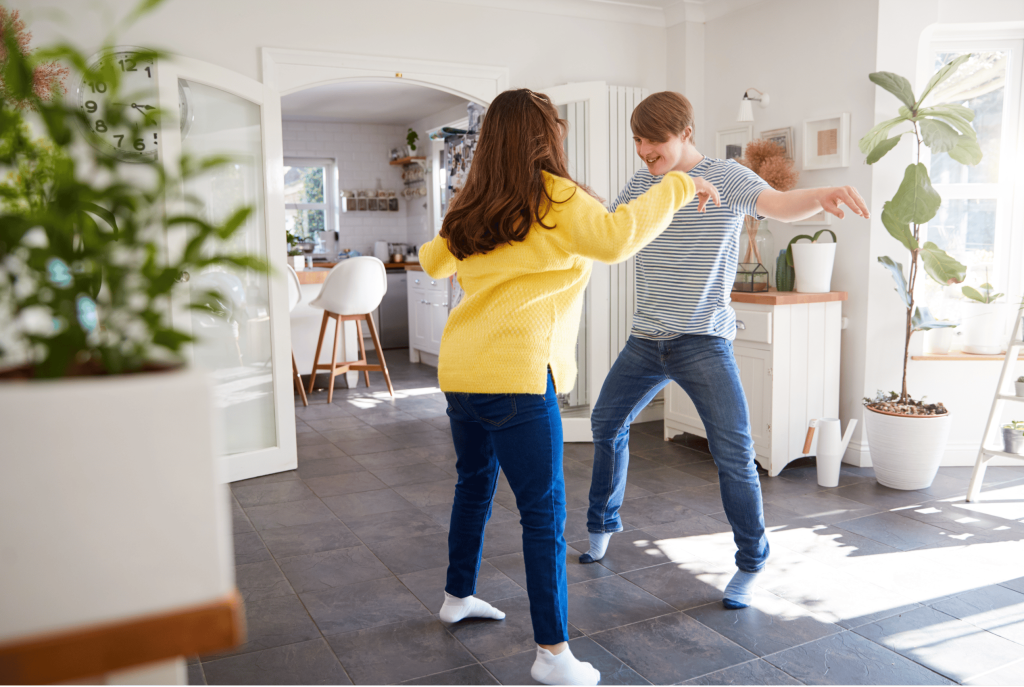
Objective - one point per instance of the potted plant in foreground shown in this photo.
(1013, 437)
(907, 437)
(812, 262)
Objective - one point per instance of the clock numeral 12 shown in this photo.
(127, 65)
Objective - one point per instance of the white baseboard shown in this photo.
(957, 455)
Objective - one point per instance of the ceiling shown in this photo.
(367, 102)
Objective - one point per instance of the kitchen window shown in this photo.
(980, 204)
(309, 192)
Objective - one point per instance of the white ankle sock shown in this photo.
(563, 669)
(456, 609)
(598, 545)
(739, 591)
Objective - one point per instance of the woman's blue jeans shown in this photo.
(522, 435)
(705, 368)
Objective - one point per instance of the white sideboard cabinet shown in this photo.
(787, 350)
(428, 314)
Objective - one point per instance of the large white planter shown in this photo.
(813, 263)
(983, 327)
(111, 502)
(906, 451)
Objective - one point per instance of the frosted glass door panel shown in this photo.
(236, 345)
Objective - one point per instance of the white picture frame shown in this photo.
(782, 137)
(826, 142)
(819, 219)
(728, 140)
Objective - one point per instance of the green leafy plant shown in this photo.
(944, 128)
(983, 294)
(86, 280)
(1016, 425)
(410, 139)
(812, 239)
(293, 244)
(1020, 379)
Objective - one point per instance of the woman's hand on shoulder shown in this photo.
(705, 191)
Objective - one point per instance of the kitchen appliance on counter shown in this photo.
(381, 250)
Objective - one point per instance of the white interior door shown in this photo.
(248, 352)
(586, 106)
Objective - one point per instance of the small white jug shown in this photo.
(831, 448)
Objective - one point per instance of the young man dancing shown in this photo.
(683, 328)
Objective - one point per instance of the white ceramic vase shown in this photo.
(813, 263)
(983, 327)
(939, 340)
(905, 450)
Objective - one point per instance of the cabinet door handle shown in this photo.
(443, 305)
(740, 325)
(417, 281)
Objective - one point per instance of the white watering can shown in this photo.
(831, 448)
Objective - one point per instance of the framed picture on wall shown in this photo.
(782, 138)
(819, 219)
(730, 143)
(826, 142)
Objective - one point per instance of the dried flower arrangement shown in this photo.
(767, 160)
(47, 77)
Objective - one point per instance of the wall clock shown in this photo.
(136, 138)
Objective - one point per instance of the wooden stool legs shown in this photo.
(298, 381)
(361, 365)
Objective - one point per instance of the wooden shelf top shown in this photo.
(774, 297)
(960, 355)
(407, 160)
(318, 275)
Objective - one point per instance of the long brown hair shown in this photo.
(505, 192)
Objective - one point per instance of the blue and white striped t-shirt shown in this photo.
(684, 277)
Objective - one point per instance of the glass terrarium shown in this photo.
(750, 277)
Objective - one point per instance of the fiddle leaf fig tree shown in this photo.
(944, 128)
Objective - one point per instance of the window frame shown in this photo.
(330, 204)
(1008, 192)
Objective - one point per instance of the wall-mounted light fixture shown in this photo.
(746, 111)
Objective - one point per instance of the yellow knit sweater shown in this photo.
(521, 310)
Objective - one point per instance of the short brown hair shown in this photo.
(661, 115)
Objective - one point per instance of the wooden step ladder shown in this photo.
(1006, 378)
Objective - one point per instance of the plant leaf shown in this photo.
(916, 201)
(938, 135)
(897, 275)
(950, 109)
(817, 235)
(967, 151)
(104, 214)
(878, 133)
(944, 73)
(899, 230)
(923, 320)
(940, 266)
(879, 151)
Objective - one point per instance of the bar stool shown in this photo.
(294, 298)
(353, 289)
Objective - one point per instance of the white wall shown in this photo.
(813, 58)
(361, 151)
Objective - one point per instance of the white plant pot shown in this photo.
(906, 451)
(939, 340)
(298, 262)
(113, 501)
(813, 263)
(983, 327)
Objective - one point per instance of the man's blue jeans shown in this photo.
(706, 370)
(521, 434)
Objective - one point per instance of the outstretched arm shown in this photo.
(436, 260)
(792, 206)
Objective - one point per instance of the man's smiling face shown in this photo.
(661, 157)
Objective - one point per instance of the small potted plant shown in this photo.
(1019, 385)
(812, 262)
(295, 255)
(410, 141)
(983, 320)
(1013, 437)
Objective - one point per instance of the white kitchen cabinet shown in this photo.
(787, 352)
(428, 314)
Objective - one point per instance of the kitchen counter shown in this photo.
(413, 267)
(318, 274)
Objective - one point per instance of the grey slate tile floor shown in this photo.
(342, 566)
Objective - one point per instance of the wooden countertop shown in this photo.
(774, 297)
(413, 267)
(318, 275)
